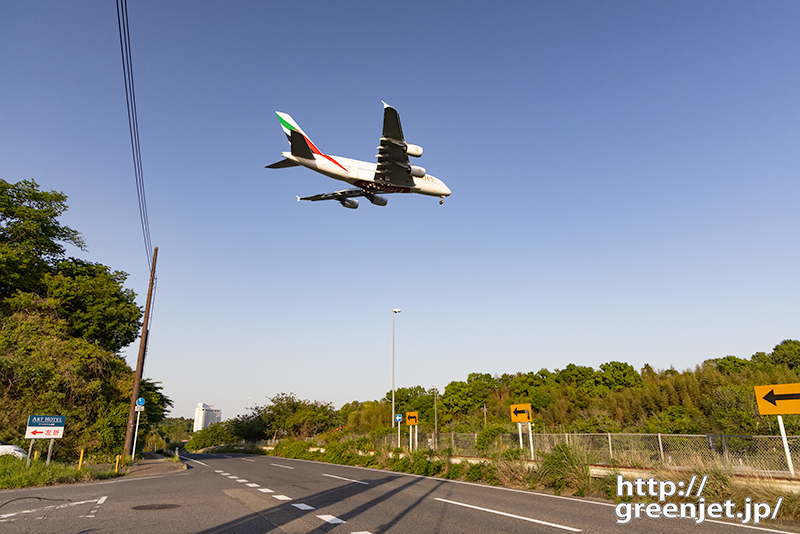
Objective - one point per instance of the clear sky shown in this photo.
(624, 176)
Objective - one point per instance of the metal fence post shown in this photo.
(610, 452)
(725, 450)
(660, 448)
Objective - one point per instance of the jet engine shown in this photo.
(413, 150)
(418, 172)
(351, 203)
(378, 200)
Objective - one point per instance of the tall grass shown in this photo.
(14, 473)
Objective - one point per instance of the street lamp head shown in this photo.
(396, 310)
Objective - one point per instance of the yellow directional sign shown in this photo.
(521, 413)
(778, 399)
(412, 418)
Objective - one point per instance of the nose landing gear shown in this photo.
(441, 200)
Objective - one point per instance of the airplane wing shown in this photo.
(336, 195)
(393, 165)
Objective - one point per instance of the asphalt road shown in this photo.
(257, 494)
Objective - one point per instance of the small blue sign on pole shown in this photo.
(140, 401)
(398, 417)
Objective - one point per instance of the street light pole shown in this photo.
(435, 420)
(394, 313)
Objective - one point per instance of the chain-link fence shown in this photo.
(741, 454)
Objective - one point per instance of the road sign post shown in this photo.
(522, 413)
(139, 409)
(398, 418)
(530, 438)
(779, 399)
(412, 421)
(44, 427)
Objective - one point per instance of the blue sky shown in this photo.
(624, 177)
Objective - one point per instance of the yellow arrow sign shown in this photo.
(778, 399)
(412, 418)
(521, 413)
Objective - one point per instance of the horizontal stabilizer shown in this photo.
(282, 164)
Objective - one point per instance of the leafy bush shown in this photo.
(290, 448)
(487, 435)
(214, 434)
(454, 471)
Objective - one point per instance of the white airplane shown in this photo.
(392, 174)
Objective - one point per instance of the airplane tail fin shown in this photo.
(302, 146)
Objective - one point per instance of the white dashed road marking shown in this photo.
(347, 479)
(282, 497)
(284, 466)
(265, 490)
(331, 519)
(302, 506)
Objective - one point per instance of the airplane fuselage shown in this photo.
(362, 174)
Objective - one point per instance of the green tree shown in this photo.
(370, 416)
(617, 376)
(213, 434)
(787, 352)
(286, 415)
(30, 235)
(97, 307)
(61, 323)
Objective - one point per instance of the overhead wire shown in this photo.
(133, 123)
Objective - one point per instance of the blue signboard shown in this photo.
(46, 420)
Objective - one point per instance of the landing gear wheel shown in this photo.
(441, 201)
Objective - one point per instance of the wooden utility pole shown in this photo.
(140, 362)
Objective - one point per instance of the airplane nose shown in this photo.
(445, 190)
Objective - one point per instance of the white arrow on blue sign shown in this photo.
(140, 401)
(398, 417)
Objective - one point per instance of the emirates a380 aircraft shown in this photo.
(392, 174)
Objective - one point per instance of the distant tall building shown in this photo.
(205, 415)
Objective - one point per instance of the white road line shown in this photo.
(241, 480)
(347, 479)
(284, 466)
(100, 501)
(265, 490)
(563, 527)
(218, 470)
(247, 459)
(282, 497)
(54, 507)
(252, 485)
(331, 519)
(224, 474)
(302, 506)
(195, 461)
(234, 476)
(362, 532)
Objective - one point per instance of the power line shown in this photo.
(133, 122)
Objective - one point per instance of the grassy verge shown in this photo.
(564, 471)
(15, 474)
